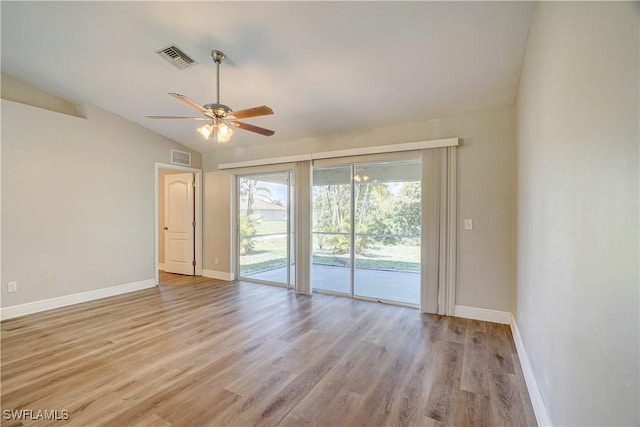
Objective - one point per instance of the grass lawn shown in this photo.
(271, 252)
(269, 227)
(378, 257)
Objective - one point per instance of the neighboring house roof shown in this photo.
(259, 204)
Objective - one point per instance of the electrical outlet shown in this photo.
(13, 287)
(216, 261)
(468, 224)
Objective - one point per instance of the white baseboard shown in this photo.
(484, 314)
(161, 266)
(506, 318)
(63, 301)
(539, 408)
(220, 275)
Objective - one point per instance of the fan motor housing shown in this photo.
(218, 110)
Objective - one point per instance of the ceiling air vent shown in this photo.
(180, 158)
(177, 57)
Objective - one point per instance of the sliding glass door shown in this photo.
(366, 227)
(265, 232)
(366, 230)
(332, 229)
(387, 231)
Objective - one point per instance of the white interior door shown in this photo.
(179, 224)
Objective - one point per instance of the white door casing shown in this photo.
(179, 223)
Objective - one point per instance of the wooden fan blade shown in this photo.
(251, 112)
(190, 102)
(252, 128)
(177, 117)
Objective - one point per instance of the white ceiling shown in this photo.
(323, 67)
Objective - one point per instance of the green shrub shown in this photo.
(247, 232)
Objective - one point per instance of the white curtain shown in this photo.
(439, 222)
(303, 242)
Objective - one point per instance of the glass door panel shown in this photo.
(387, 225)
(263, 218)
(332, 229)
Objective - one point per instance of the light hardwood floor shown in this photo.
(202, 352)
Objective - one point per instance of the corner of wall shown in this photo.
(539, 408)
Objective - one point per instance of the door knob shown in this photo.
(166, 228)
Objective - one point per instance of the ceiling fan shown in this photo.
(220, 117)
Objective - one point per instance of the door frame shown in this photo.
(197, 192)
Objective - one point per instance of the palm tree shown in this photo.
(249, 190)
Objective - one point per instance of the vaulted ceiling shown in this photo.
(323, 67)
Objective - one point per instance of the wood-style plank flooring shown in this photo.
(201, 352)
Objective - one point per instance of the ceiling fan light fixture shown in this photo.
(206, 130)
(224, 132)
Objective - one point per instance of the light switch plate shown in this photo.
(468, 224)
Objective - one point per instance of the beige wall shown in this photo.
(217, 217)
(577, 279)
(485, 194)
(77, 201)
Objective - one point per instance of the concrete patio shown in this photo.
(398, 286)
